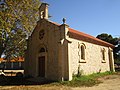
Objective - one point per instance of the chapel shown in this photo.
(58, 52)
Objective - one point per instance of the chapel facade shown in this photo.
(57, 52)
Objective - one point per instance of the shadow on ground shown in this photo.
(117, 69)
(14, 80)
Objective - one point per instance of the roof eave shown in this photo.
(85, 37)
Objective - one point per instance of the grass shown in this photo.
(86, 80)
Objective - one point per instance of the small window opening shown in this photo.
(103, 54)
(82, 52)
(42, 50)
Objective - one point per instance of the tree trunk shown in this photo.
(1, 51)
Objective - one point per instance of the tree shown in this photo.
(108, 38)
(114, 41)
(16, 44)
(17, 21)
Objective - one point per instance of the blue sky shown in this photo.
(90, 16)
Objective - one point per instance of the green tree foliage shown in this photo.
(16, 44)
(108, 38)
(115, 41)
(17, 20)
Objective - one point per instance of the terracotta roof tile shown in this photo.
(1, 59)
(19, 59)
(88, 38)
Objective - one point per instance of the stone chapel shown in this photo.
(57, 52)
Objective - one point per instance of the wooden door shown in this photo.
(41, 66)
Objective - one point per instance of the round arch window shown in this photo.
(42, 50)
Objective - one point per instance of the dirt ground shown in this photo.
(111, 82)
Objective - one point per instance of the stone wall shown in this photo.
(53, 55)
(93, 58)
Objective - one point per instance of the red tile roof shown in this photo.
(19, 59)
(1, 59)
(88, 38)
(85, 37)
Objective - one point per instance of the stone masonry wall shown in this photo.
(93, 58)
(51, 43)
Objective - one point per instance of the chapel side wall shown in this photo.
(93, 58)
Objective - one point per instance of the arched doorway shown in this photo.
(41, 62)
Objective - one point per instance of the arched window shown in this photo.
(103, 54)
(42, 50)
(83, 52)
(42, 14)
